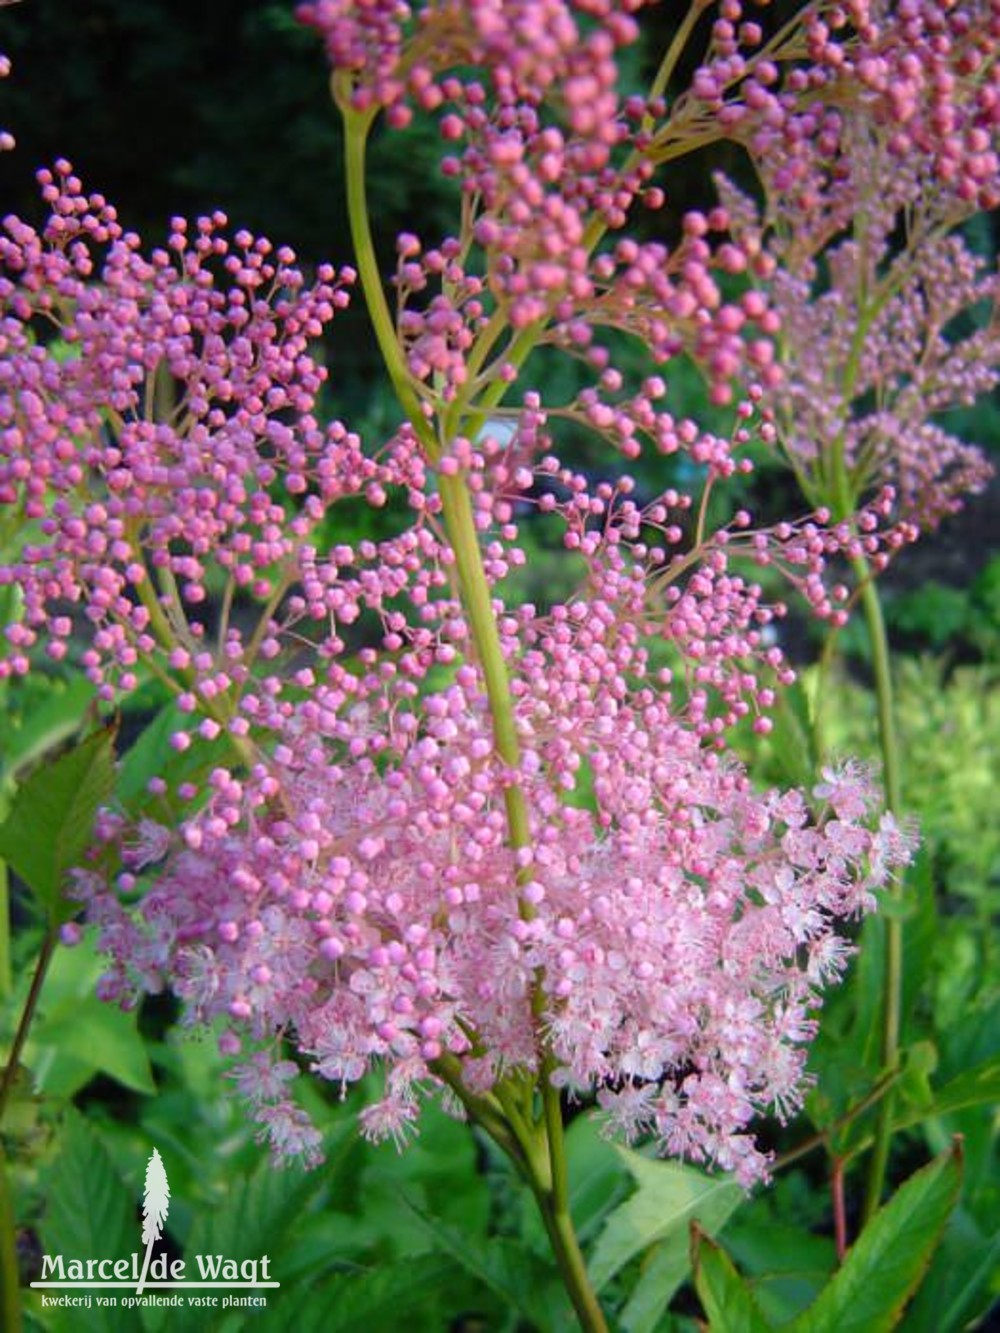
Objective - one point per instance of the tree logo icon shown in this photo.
(155, 1203)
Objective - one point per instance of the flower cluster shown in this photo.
(531, 239)
(874, 132)
(351, 885)
(920, 76)
(425, 824)
(395, 54)
(359, 895)
(874, 354)
(145, 410)
(549, 157)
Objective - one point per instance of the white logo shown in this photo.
(214, 1270)
(155, 1202)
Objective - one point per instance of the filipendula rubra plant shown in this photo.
(499, 851)
(888, 318)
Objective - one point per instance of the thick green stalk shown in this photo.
(485, 1110)
(569, 1257)
(536, 1146)
(892, 985)
(461, 527)
(892, 981)
(537, 1149)
(542, 1162)
(878, 639)
(554, 1207)
(455, 501)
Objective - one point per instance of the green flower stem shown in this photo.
(162, 629)
(540, 1156)
(461, 528)
(674, 52)
(825, 1136)
(164, 633)
(536, 1147)
(455, 502)
(483, 1109)
(556, 1135)
(839, 1208)
(10, 1301)
(843, 487)
(875, 623)
(553, 1204)
(566, 1248)
(892, 986)
(357, 125)
(538, 1152)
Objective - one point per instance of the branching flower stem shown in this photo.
(824, 1137)
(524, 342)
(535, 1143)
(892, 983)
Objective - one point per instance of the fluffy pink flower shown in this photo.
(343, 882)
(358, 895)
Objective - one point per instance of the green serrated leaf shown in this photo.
(51, 820)
(392, 1297)
(261, 1209)
(957, 1288)
(47, 723)
(668, 1198)
(89, 1037)
(502, 1265)
(884, 1266)
(727, 1300)
(259, 1215)
(90, 1212)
